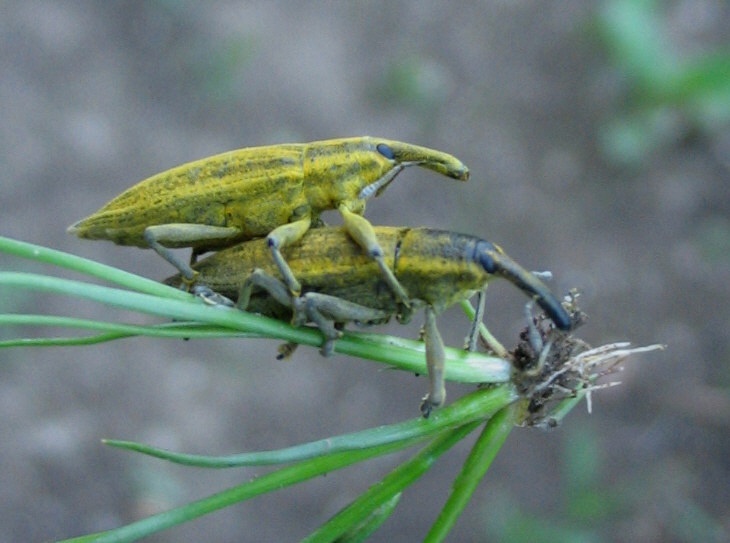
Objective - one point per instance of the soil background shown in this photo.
(96, 96)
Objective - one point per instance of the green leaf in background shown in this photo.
(668, 96)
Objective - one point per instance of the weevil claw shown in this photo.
(210, 297)
(426, 407)
(285, 350)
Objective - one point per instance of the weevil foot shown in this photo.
(188, 280)
(210, 297)
(533, 334)
(404, 314)
(545, 275)
(285, 350)
(428, 405)
(331, 335)
(328, 347)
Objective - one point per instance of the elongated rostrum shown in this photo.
(277, 191)
(340, 284)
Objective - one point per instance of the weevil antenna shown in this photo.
(379, 185)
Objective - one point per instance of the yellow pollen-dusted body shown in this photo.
(277, 191)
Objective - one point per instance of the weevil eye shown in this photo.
(484, 255)
(487, 262)
(385, 150)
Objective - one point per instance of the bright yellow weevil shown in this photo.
(276, 191)
(341, 284)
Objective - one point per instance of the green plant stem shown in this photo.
(392, 484)
(276, 480)
(68, 261)
(484, 332)
(362, 531)
(480, 459)
(402, 354)
(478, 405)
(186, 330)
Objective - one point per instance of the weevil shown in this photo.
(340, 284)
(277, 191)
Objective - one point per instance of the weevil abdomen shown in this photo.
(253, 189)
(326, 261)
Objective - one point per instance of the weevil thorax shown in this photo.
(439, 267)
(443, 268)
(337, 171)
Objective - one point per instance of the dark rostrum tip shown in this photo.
(486, 253)
(496, 262)
(461, 174)
(555, 310)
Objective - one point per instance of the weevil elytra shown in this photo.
(340, 284)
(277, 191)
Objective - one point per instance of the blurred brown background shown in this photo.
(588, 158)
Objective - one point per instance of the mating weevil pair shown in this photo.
(329, 276)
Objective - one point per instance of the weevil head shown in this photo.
(399, 155)
(359, 168)
(496, 262)
(406, 154)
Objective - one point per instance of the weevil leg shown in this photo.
(325, 311)
(363, 233)
(279, 292)
(533, 334)
(282, 236)
(540, 348)
(210, 297)
(340, 310)
(259, 278)
(545, 275)
(435, 358)
(471, 343)
(405, 313)
(285, 350)
(321, 309)
(324, 323)
(159, 236)
(194, 255)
